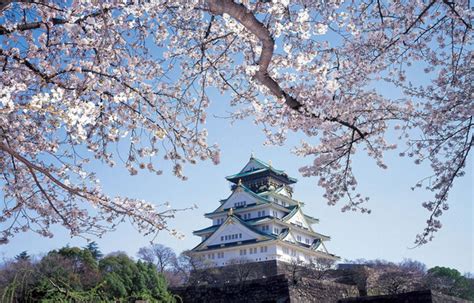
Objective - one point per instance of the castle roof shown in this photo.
(249, 222)
(258, 167)
(240, 189)
(246, 207)
(253, 234)
(266, 219)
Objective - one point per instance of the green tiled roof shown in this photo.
(294, 210)
(250, 227)
(249, 206)
(226, 245)
(312, 218)
(212, 228)
(266, 167)
(247, 173)
(248, 223)
(284, 233)
(316, 244)
(245, 189)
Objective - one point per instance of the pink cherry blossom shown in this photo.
(91, 73)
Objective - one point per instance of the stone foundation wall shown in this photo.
(269, 290)
(309, 290)
(236, 273)
(422, 296)
(275, 289)
(277, 282)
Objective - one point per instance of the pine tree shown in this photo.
(93, 247)
(23, 256)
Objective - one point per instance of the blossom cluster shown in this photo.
(93, 73)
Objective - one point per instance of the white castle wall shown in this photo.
(253, 253)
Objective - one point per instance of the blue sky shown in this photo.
(387, 233)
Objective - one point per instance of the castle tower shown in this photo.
(260, 221)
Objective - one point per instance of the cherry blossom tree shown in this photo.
(78, 77)
(161, 256)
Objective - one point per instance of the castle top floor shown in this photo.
(259, 177)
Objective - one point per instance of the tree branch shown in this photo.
(251, 23)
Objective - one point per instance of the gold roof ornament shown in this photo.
(252, 155)
(230, 212)
(270, 163)
(240, 182)
(270, 186)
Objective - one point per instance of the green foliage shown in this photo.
(136, 280)
(23, 256)
(450, 281)
(446, 272)
(93, 247)
(72, 274)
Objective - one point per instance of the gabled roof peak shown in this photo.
(234, 219)
(259, 164)
(256, 167)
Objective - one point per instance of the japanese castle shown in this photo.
(260, 221)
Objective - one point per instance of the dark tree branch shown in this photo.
(251, 23)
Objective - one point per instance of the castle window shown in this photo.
(222, 238)
(276, 230)
(307, 241)
(240, 236)
(263, 213)
(243, 252)
(298, 238)
(240, 204)
(263, 249)
(286, 250)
